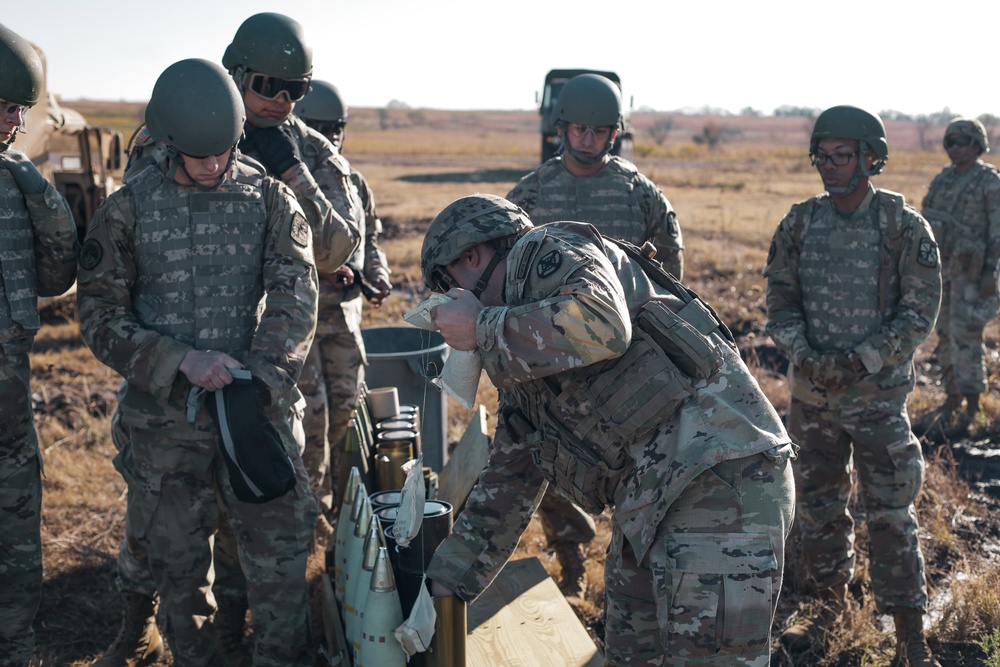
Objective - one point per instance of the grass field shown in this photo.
(729, 200)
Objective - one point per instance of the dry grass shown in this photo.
(728, 200)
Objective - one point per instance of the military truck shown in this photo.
(554, 81)
(81, 160)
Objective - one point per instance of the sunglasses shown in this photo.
(957, 141)
(270, 87)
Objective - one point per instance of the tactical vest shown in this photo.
(200, 257)
(607, 199)
(581, 425)
(955, 207)
(18, 291)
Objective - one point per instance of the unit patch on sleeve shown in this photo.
(549, 264)
(927, 253)
(91, 254)
(300, 230)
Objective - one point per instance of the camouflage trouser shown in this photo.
(563, 521)
(706, 592)
(876, 436)
(20, 513)
(178, 490)
(959, 327)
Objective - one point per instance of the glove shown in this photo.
(276, 150)
(26, 175)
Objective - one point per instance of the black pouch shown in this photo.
(259, 468)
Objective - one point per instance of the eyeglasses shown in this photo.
(328, 127)
(599, 132)
(957, 140)
(270, 87)
(838, 159)
(441, 280)
(10, 108)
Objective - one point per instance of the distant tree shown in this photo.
(417, 118)
(750, 111)
(892, 114)
(924, 124)
(383, 119)
(942, 117)
(789, 110)
(712, 133)
(397, 104)
(661, 128)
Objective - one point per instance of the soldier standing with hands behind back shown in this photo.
(38, 252)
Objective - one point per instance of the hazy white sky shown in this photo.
(469, 54)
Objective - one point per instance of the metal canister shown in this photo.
(436, 526)
(447, 647)
(392, 450)
(387, 498)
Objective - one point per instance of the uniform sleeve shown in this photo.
(496, 513)
(786, 323)
(56, 244)
(146, 359)
(662, 227)
(991, 261)
(525, 193)
(920, 299)
(288, 323)
(375, 263)
(574, 314)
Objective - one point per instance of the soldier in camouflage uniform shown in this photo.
(963, 207)
(588, 184)
(38, 251)
(853, 288)
(625, 391)
(156, 305)
(338, 334)
(271, 63)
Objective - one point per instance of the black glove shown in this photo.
(26, 175)
(275, 149)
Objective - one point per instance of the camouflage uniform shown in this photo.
(964, 212)
(576, 315)
(142, 326)
(38, 251)
(326, 177)
(867, 283)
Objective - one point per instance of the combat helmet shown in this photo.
(589, 99)
(196, 108)
(21, 73)
(323, 103)
(849, 122)
(968, 127)
(272, 44)
(462, 224)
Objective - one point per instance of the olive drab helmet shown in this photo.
(849, 122)
(196, 108)
(968, 127)
(462, 224)
(272, 44)
(323, 103)
(21, 73)
(589, 99)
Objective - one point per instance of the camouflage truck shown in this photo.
(554, 81)
(81, 160)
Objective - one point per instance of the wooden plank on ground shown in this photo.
(467, 460)
(522, 620)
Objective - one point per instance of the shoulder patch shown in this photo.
(299, 230)
(549, 264)
(927, 253)
(91, 254)
(522, 266)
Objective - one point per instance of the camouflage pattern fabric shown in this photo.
(571, 301)
(618, 200)
(964, 211)
(817, 306)
(179, 488)
(45, 266)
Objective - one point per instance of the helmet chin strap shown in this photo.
(253, 118)
(582, 158)
(862, 170)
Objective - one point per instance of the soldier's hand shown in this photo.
(836, 371)
(277, 151)
(208, 369)
(439, 590)
(384, 289)
(457, 319)
(29, 180)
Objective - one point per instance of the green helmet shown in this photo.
(323, 103)
(272, 44)
(969, 127)
(196, 108)
(589, 99)
(847, 122)
(21, 72)
(462, 224)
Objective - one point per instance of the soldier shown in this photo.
(338, 334)
(39, 250)
(963, 207)
(624, 390)
(853, 289)
(271, 63)
(588, 184)
(173, 278)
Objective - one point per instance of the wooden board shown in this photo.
(467, 460)
(522, 620)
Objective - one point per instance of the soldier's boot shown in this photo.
(911, 646)
(230, 628)
(573, 581)
(807, 634)
(138, 643)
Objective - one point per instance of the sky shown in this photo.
(476, 54)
